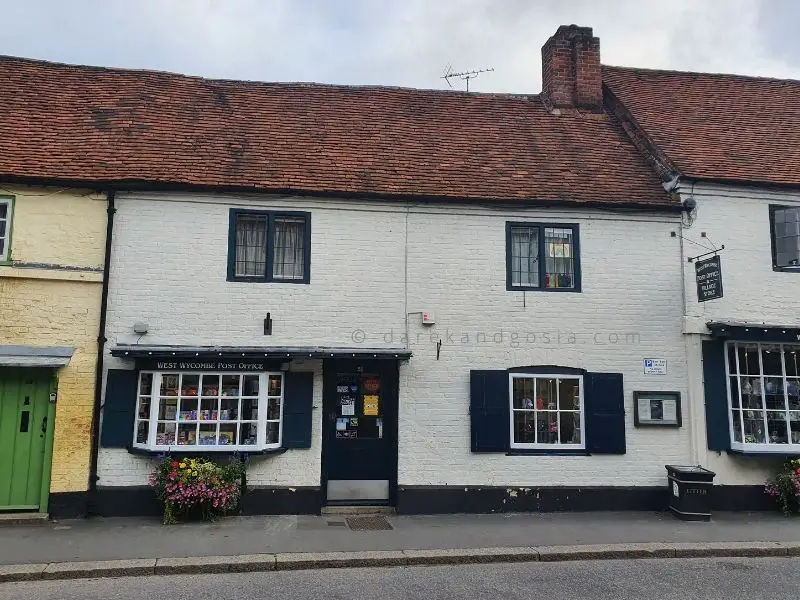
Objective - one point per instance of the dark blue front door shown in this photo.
(359, 453)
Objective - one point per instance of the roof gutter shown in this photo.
(91, 505)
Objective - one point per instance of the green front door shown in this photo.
(24, 403)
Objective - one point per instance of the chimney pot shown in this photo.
(571, 75)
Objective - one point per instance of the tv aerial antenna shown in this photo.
(464, 75)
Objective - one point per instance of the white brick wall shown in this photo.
(169, 266)
(738, 218)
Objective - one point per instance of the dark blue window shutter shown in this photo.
(604, 413)
(489, 411)
(716, 393)
(298, 397)
(119, 408)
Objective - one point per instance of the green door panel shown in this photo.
(24, 399)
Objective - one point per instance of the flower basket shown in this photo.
(785, 487)
(196, 488)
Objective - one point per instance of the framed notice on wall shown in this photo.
(659, 409)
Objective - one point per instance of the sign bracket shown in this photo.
(714, 252)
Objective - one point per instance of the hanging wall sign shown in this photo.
(709, 279)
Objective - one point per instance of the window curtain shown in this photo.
(251, 246)
(288, 248)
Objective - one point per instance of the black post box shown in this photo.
(690, 492)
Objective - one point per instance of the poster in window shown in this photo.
(371, 405)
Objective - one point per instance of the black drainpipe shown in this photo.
(91, 505)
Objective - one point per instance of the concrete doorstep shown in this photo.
(388, 558)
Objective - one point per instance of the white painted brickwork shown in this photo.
(753, 292)
(169, 267)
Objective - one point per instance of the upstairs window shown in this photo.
(785, 227)
(269, 246)
(5, 228)
(542, 257)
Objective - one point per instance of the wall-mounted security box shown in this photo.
(427, 318)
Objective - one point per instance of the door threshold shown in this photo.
(356, 509)
(23, 518)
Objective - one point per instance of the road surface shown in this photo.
(651, 579)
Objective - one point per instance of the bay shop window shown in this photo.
(763, 385)
(208, 411)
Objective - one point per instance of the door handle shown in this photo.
(25, 416)
(44, 425)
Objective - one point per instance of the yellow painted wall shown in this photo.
(50, 296)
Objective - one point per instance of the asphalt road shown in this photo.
(662, 579)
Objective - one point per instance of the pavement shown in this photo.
(138, 546)
(657, 579)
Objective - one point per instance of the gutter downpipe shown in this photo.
(91, 504)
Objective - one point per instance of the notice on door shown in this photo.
(371, 405)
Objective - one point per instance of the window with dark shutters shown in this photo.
(119, 408)
(604, 411)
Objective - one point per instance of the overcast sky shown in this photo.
(400, 42)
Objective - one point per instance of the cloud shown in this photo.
(399, 42)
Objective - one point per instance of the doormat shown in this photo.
(368, 523)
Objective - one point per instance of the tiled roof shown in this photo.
(724, 127)
(87, 124)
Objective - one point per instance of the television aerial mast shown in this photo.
(464, 75)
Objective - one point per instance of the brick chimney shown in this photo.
(571, 74)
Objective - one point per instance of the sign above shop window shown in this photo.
(708, 273)
(203, 364)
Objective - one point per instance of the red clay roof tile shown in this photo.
(89, 124)
(709, 126)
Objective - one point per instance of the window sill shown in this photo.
(196, 451)
(545, 452)
(762, 450)
(265, 280)
(514, 288)
(786, 269)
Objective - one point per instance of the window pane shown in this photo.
(771, 359)
(272, 433)
(777, 427)
(787, 237)
(794, 424)
(731, 349)
(274, 409)
(751, 393)
(274, 387)
(754, 427)
(525, 256)
(288, 247)
(3, 210)
(524, 427)
(748, 359)
(523, 392)
(188, 410)
(227, 434)
(791, 359)
(559, 259)
(569, 394)
(168, 409)
(144, 408)
(142, 429)
(250, 385)
(737, 426)
(187, 434)
(793, 392)
(773, 393)
(2, 228)
(251, 245)
(169, 385)
(247, 434)
(190, 384)
(146, 384)
(547, 426)
(570, 428)
(546, 394)
(165, 434)
(208, 435)
(734, 392)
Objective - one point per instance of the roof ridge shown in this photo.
(254, 82)
(703, 73)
